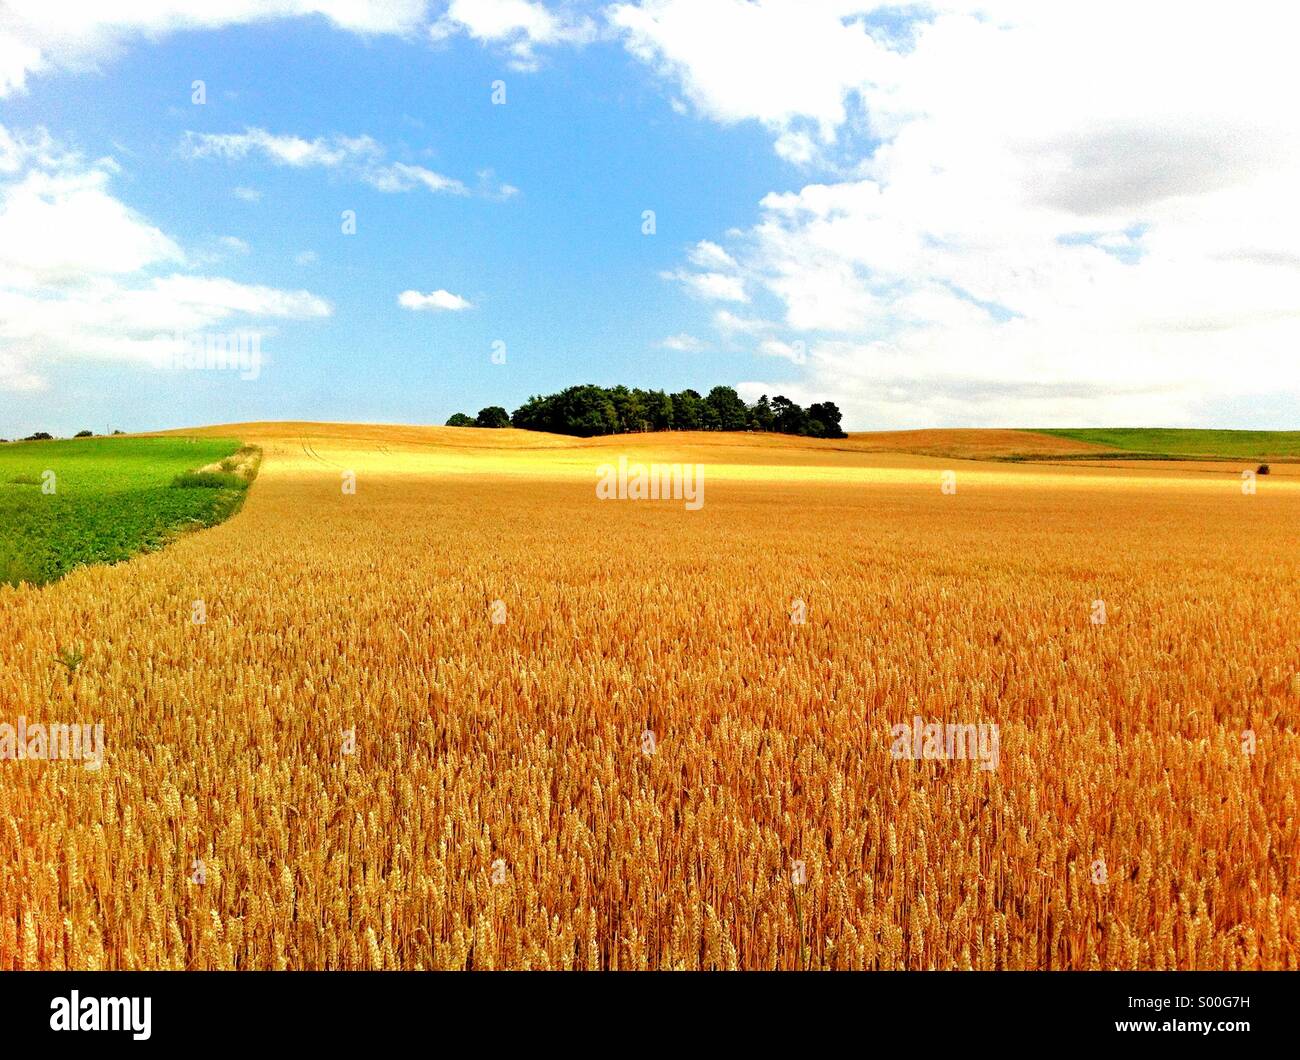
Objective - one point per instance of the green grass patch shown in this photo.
(1165, 442)
(112, 498)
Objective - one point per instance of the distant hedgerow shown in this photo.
(212, 480)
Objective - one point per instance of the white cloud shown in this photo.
(235, 244)
(284, 150)
(719, 282)
(361, 156)
(83, 276)
(16, 376)
(1030, 213)
(402, 177)
(729, 324)
(439, 299)
(37, 36)
(792, 351)
(520, 26)
(491, 188)
(247, 194)
(218, 298)
(706, 255)
(306, 257)
(776, 61)
(59, 227)
(683, 343)
(712, 286)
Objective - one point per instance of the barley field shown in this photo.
(471, 717)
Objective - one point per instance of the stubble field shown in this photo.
(350, 764)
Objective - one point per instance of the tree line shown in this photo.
(590, 410)
(46, 436)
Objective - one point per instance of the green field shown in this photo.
(1190, 444)
(112, 498)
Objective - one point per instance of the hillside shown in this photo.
(993, 444)
(1177, 443)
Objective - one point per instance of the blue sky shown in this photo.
(840, 214)
(559, 272)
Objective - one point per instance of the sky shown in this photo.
(1006, 213)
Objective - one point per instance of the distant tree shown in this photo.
(39, 436)
(84, 434)
(460, 420)
(826, 415)
(790, 418)
(730, 410)
(119, 432)
(587, 411)
(659, 407)
(492, 416)
(590, 410)
(535, 414)
(642, 402)
(629, 408)
(760, 415)
(686, 411)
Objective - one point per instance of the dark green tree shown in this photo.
(790, 418)
(536, 414)
(593, 410)
(584, 411)
(826, 415)
(459, 419)
(629, 407)
(761, 417)
(493, 416)
(729, 409)
(660, 410)
(686, 411)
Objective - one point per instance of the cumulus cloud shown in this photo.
(82, 275)
(784, 62)
(720, 280)
(521, 27)
(58, 228)
(37, 36)
(1026, 213)
(437, 300)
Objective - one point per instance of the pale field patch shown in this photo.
(522, 741)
